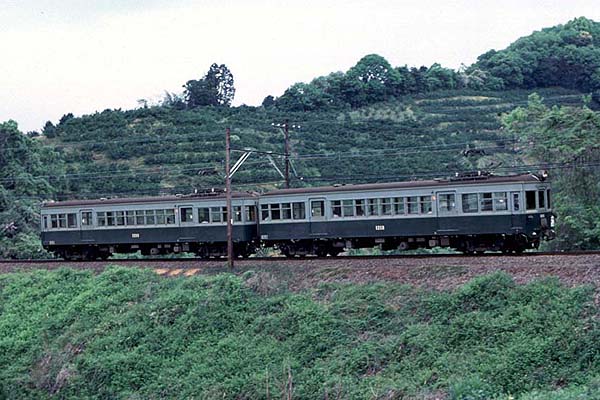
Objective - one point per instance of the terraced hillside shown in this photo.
(168, 150)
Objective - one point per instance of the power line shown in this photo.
(369, 178)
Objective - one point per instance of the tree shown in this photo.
(372, 79)
(564, 55)
(65, 118)
(49, 130)
(567, 136)
(268, 101)
(214, 89)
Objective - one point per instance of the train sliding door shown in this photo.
(447, 212)
(317, 217)
(86, 226)
(516, 208)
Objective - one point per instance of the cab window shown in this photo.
(530, 200)
(541, 199)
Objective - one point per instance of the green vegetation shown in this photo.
(565, 55)
(571, 136)
(24, 167)
(214, 89)
(128, 333)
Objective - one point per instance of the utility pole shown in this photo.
(285, 127)
(228, 195)
(287, 154)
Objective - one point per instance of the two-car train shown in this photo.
(470, 214)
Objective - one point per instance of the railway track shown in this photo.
(442, 271)
(300, 259)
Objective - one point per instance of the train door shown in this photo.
(446, 211)
(86, 226)
(516, 207)
(317, 216)
(186, 215)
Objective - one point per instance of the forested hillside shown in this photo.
(374, 122)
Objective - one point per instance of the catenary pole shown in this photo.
(228, 197)
(287, 154)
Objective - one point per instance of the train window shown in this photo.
(139, 217)
(216, 215)
(150, 219)
(425, 205)
(412, 205)
(101, 218)
(469, 203)
(120, 217)
(110, 218)
(336, 208)
(386, 206)
(298, 211)
(447, 202)
(500, 202)
(373, 206)
(186, 214)
(224, 214)
(275, 211)
(541, 199)
(54, 221)
(203, 215)
(237, 213)
(160, 217)
(359, 208)
(62, 220)
(86, 218)
(250, 213)
(286, 211)
(45, 221)
(317, 209)
(399, 205)
(516, 201)
(264, 212)
(486, 202)
(72, 220)
(348, 208)
(170, 216)
(548, 199)
(530, 199)
(129, 218)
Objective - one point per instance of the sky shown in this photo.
(70, 56)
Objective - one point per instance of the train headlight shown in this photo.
(552, 221)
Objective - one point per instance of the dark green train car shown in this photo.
(470, 214)
(91, 229)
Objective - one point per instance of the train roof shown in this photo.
(458, 181)
(219, 195)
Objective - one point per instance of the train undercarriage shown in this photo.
(468, 244)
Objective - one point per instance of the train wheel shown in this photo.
(321, 252)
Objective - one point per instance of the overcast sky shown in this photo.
(61, 56)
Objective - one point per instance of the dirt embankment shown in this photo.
(435, 273)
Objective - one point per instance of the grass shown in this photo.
(128, 333)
